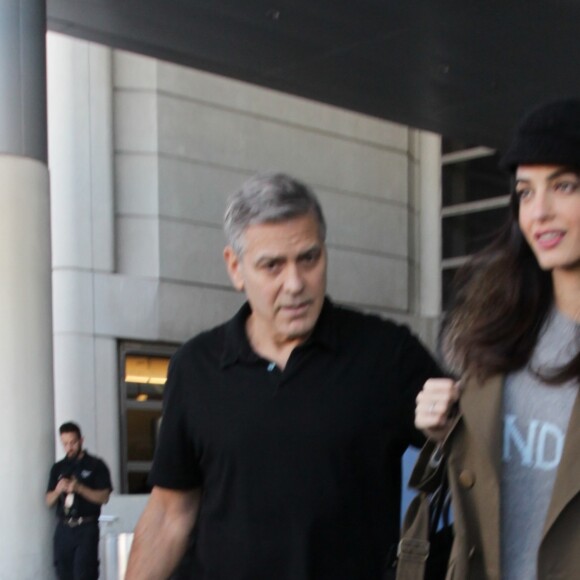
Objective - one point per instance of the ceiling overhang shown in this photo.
(466, 70)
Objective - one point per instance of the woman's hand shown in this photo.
(435, 406)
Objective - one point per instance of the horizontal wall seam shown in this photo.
(81, 270)
(245, 173)
(276, 120)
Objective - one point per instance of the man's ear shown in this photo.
(234, 267)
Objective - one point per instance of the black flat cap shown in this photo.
(548, 134)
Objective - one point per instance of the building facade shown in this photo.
(142, 156)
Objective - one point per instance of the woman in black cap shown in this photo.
(509, 429)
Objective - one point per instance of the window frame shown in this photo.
(137, 348)
(468, 153)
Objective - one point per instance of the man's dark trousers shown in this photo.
(76, 551)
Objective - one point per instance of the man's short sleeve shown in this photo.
(102, 476)
(52, 479)
(175, 465)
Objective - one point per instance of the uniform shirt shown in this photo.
(300, 468)
(90, 471)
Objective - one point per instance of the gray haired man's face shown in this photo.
(283, 273)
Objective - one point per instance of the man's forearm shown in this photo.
(161, 536)
(155, 552)
(51, 497)
(98, 496)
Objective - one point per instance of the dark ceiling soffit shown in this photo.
(466, 71)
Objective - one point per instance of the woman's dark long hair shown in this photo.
(502, 298)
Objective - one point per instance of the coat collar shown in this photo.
(481, 407)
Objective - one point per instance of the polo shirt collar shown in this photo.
(237, 347)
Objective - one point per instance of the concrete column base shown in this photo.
(26, 388)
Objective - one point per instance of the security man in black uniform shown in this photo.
(78, 484)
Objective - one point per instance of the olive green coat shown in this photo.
(473, 450)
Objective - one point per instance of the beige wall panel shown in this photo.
(126, 307)
(137, 184)
(198, 194)
(365, 224)
(107, 409)
(259, 102)
(138, 245)
(185, 311)
(194, 191)
(192, 253)
(76, 396)
(367, 280)
(72, 309)
(202, 133)
(135, 121)
(134, 71)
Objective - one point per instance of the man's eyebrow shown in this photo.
(269, 258)
(312, 250)
(316, 248)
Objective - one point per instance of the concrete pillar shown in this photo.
(80, 97)
(23, 78)
(430, 224)
(26, 391)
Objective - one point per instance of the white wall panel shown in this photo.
(220, 137)
(76, 392)
(196, 191)
(255, 101)
(107, 434)
(136, 121)
(137, 183)
(126, 307)
(134, 71)
(138, 245)
(73, 307)
(365, 224)
(187, 310)
(192, 253)
(367, 280)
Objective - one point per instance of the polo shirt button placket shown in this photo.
(275, 376)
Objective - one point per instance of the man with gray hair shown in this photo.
(283, 429)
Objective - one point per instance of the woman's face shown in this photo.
(549, 214)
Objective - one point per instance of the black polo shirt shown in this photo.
(301, 468)
(88, 470)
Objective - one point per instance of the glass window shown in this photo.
(475, 205)
(142, 430)
(448, 275)
(473, 180)
(465, 234)
(449, 145)
(143, 376)
(137, 482)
